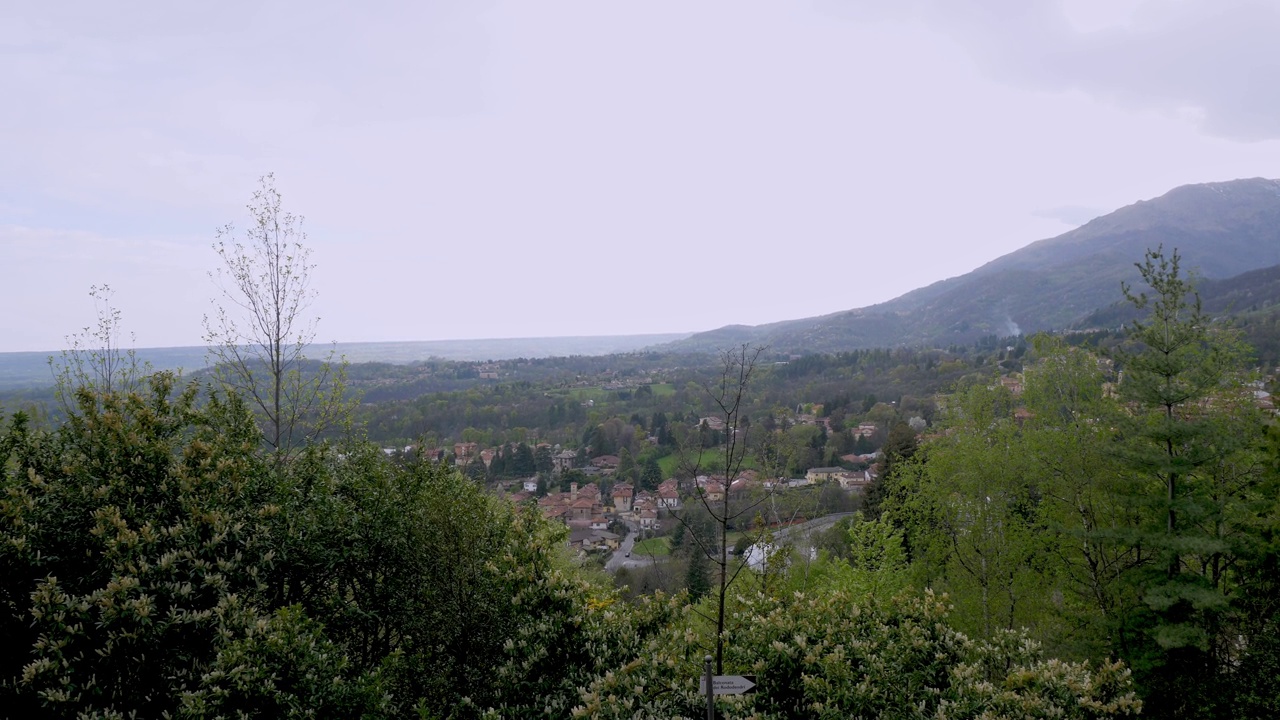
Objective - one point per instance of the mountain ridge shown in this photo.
(1220, 230)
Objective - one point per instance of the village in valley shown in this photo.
(605, 517)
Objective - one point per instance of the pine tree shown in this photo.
(1188, 431)
(698, 576)
(899, 448)
(650, 474)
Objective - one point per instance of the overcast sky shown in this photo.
(518, 168)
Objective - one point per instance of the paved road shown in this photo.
(620, 559)
(807, 528)
(789, 534)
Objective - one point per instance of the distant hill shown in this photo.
(31, 369)
(1257, 291)
(1220, 229)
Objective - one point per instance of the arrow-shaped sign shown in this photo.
(729, 685)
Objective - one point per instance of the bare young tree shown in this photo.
(259, 332)
(95, 358)
(728, 394)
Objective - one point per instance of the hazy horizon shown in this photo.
(442, 341)
(30, 368)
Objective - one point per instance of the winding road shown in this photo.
(620, 557)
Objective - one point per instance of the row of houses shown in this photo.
(583, 511)
(587, 512)
(643, 507)
(848, 479)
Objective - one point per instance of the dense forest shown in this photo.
(526, 403)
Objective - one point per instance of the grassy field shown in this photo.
(710, 458)
(658, 547)
(584, 394)
(661, 546)
(599, 394)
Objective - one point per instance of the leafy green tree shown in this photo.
(1254, 680)
(834, 541)
(1121, 526)
(650, 473)
(610, 437)
(1070, 436)
(284, 666)
(974, 524)
(899, 448)
(838, 655)
(696, 532)
(523, 463)
(569, 477)
(542, 462)
(476, 470)
(626, 467)
(707, 438)
(804, 445)
(1254, 684)
(498, 465)
(863, 445)
(440, 589)
(136, 542)
(157, 563)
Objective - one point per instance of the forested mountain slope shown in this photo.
(1219, 229)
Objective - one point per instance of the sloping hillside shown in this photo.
(1220, 229)
(1242, 296)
